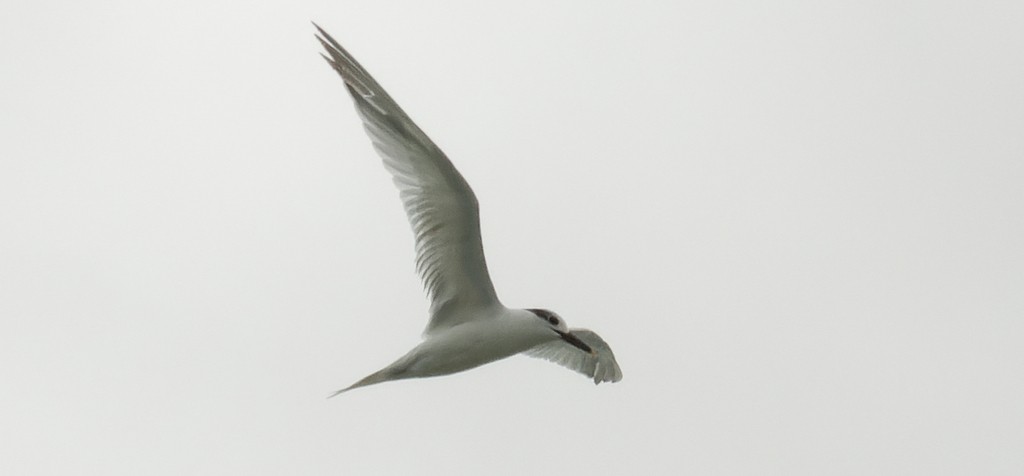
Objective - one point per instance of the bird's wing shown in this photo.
(442, 209)
(600, 366)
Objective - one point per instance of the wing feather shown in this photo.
(441, 207)
(601, 366)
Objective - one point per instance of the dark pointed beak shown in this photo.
(576, 342)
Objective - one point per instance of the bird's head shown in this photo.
(557, 324)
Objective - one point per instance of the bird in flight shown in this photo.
(468, 325)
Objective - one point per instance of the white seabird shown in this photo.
(468, 325)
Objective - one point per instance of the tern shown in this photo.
(468, 325)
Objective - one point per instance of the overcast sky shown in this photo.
(799, 224)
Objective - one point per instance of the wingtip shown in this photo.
(327, 39)
(319, 31)
(327, 59)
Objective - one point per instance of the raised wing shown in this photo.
(442, 209)
(601, 366)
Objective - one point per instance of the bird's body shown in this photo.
(491, 336)
(468, 325)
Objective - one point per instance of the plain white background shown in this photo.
(799, 224)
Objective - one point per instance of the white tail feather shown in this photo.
(377, 377)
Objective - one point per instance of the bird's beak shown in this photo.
(576, 342)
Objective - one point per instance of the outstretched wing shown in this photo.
(600, 366)
(442, 209)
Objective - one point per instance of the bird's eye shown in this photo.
(546, 315)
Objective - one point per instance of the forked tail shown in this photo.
(382, 375)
